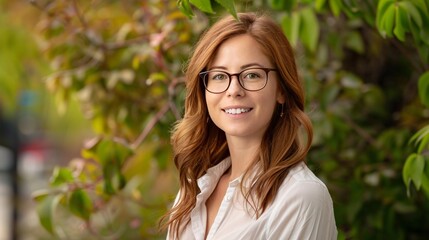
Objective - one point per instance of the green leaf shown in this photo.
(413, 12)
(108, 151)
(61, 175)
(413, 171)
(423, 85)
(276, 4)
(387, 21)
(185, 7)
(157, 76)
(382, 6)
(319, 4)
(45, 211)
(290, 25)
(423, 144)
(229, 6)
(108, 187)
(111, 155)
(309, 29)
(203, 5)
(89, 152)
(80, 204)
(336, 6)
(282, 5)
(420, 135)
(290, 5)
(421, 5)
(401, 23)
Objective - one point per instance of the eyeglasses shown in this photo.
(251, 79)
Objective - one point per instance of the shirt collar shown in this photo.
(213, 174)
(210, 179)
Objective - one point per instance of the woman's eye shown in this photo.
(252, 76)
(218, 77)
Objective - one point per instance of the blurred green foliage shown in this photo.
(123, 61)
(364, 65)
(17, 64)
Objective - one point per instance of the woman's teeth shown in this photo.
(237, 110)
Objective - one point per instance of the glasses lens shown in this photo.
(253, 79)
(216, 82)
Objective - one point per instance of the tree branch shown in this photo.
(150, 125)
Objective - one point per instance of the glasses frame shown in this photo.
(230, 75)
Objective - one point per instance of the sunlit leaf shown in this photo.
(309, 29)
(421, 139)
(61, 175)
(336, 6)
(401, 23)
(413, 170)
(80, 204)
(157, 76)
(417, 137)
(424, 144)
(185, 7)
(319, 4)
(388, 21)
(290, 25)
(382, 7)
(99, 124)
(45, 211)
(203, 5)
(136, 62)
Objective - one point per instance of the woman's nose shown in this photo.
(235, 89)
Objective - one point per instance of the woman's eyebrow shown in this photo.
(217, 67)
(251, 65)
(242, 67)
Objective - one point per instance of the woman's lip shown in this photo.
(236, 106)
(227, 108)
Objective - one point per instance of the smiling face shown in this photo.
(241, 113)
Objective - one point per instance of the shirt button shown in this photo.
(229, 197)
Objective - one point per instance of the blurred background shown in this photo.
(34, 136)
(89, 91)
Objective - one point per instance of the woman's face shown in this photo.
(238, 112)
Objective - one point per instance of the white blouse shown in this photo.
(301, 210)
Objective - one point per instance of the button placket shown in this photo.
(222, 212)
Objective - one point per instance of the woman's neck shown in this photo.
(242, 152)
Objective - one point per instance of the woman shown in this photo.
(239, 148)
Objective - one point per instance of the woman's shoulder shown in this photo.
(302, 209)
(303, 185)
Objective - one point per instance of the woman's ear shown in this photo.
(281, 98)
